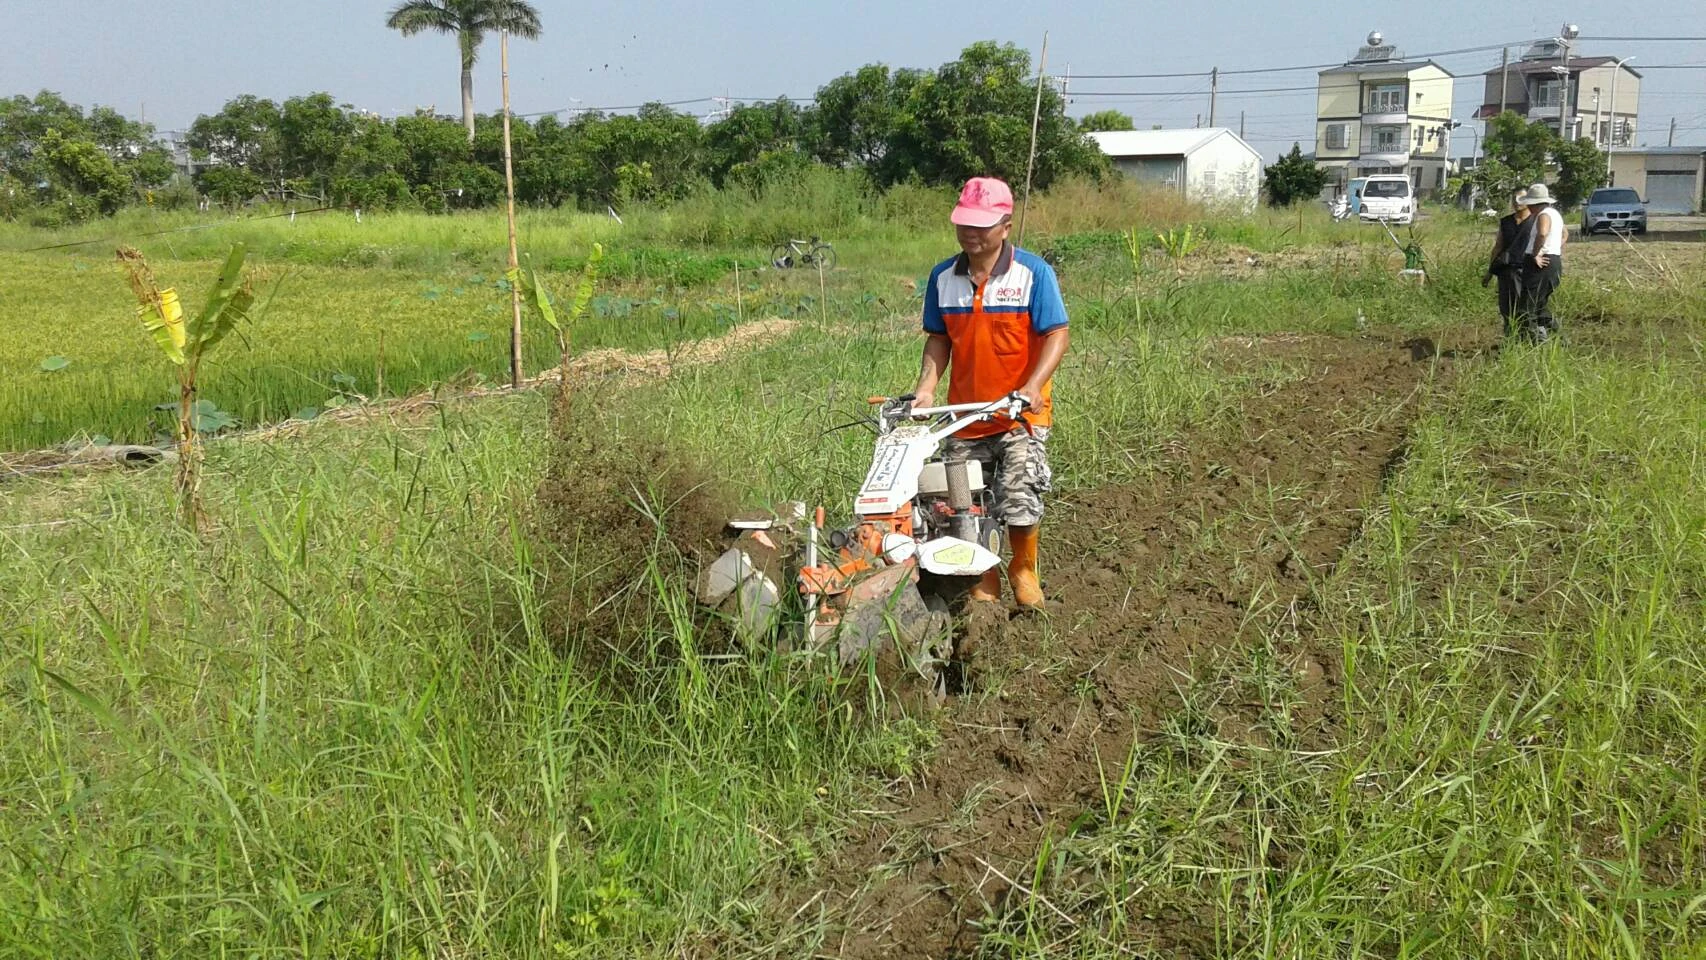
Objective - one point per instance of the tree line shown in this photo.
(968, 117)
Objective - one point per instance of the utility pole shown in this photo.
(1504, 78)
(1213, 92)
(1240, 124)
(1031, 156)
(1198, 123)
(514, 260)
(1567, 112)
(1671, 140)
(1611, 142)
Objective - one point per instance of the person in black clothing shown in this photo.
(1506, 262)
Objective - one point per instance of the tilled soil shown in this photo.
(1146, 585)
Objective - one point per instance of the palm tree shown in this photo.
(470, 20)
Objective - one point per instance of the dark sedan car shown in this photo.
(1614, 208)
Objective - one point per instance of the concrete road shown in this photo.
(1673, 229)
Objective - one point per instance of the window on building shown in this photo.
(1387, 139)
(1386, 98)
(1547, 93)
(1439, 178)
(1338, 136)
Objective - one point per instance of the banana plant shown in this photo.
(1179, 243)
(185, 343)
(539, 299)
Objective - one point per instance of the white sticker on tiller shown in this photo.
(885, 467)
(953, 557)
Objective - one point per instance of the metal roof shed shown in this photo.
(1208, 165)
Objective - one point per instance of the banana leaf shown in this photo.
(226, 304)
(540, 298)
(168, 328)
(588, 281)
(537, 296)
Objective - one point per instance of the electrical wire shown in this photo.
(667, 103)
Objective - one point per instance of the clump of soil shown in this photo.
(626, 522)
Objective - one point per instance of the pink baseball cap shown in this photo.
(983, 202)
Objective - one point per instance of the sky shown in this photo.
(170, 60)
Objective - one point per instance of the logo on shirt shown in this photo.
(1004, 297)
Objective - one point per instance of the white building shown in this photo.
(1208, 165)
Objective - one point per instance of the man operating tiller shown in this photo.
(996, 325)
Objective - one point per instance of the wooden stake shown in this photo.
(740, 309)
(514, 259)
(822, 295)
(1031, 159)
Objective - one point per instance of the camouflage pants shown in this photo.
(1015, 467)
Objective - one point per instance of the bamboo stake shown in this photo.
(1031, 159)
(514, 259)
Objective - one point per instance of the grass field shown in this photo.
(375, 713)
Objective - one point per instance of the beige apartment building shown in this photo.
(1381, 113)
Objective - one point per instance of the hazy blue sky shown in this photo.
(179, 58)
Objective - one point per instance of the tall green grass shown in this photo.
(346, 731)
(1519, 764)
(346, 728)
(331, 331)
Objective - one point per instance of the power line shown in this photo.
(1305, 66)
(666, 103)
(1176, 93)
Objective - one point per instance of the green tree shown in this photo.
(313, 133)
(243, 135)
(754, 141)
(74, 180)
(90, 181)
(1105, 120)
(430, 144)
(652, 156)
(230, 187)
(545, 173)
(369, 170)
(972, 117)
(857, 114)
(470, 21)
(1294, 177)
(1514, 154)
(24, 121)
(1581, 168)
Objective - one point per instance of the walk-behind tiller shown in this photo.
(923, 532)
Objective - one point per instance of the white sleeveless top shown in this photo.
(1554, 242)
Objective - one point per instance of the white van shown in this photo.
(1389, 197)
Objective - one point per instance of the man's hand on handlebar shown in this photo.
(900, 408)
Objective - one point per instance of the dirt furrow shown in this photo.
(1147, 584)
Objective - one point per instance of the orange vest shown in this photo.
(996, 330)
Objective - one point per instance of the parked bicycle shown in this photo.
(803, 253)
